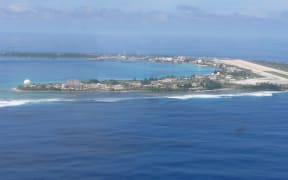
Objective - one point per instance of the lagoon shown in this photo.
(14, 70)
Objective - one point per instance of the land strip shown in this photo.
(269, 74)
(229, 74)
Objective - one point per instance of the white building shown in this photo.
(73, 84)
(27, 83)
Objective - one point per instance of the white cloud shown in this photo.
(183, 14)
(17, 8)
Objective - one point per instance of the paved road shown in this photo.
(267, 72)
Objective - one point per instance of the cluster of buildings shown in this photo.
(171, 59)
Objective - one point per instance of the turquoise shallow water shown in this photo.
(13, 70)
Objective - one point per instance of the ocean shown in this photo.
(138, 135)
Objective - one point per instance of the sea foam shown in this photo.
(18, 102)
(11, 103)
(216, 96)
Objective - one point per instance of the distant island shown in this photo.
(232, 74)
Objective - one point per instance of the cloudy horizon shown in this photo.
(245, 18)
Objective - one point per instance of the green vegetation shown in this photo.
(186, 85)
(238, 74)
(224, 76)
(93, 81)
(111, 82)
(278, 74)
(263, 87)
(211, 85)
(145, 81)
(275, 65)
(244, 73)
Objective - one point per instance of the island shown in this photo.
(229, 74)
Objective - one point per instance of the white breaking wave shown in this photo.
(216, 96)
(10, 103)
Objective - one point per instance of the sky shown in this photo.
(215, 18)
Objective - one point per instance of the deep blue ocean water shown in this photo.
(134, 135)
